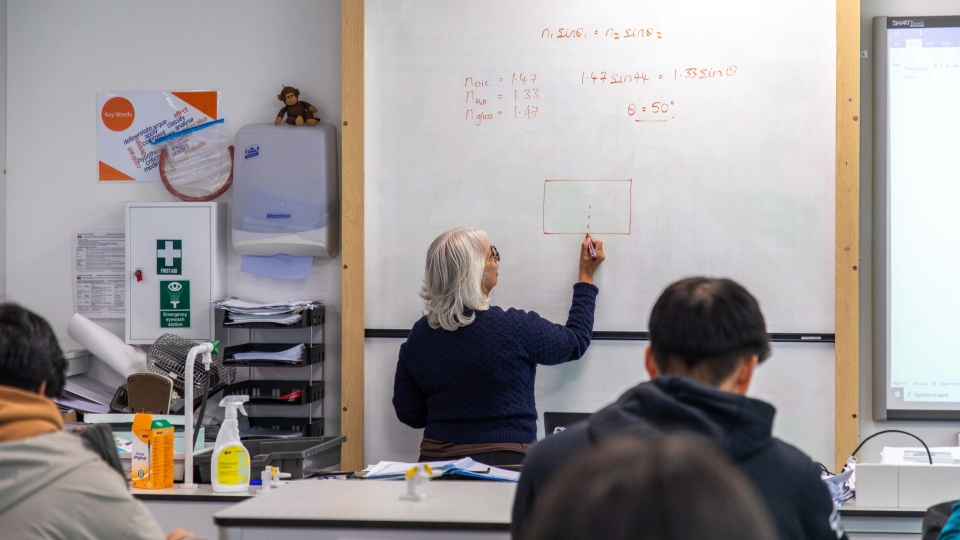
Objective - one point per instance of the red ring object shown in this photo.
(188, 198)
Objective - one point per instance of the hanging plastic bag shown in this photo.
(194, 164)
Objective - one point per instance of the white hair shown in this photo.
(452, 279)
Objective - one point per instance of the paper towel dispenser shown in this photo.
(285, 191)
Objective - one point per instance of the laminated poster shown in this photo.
(128, 121)
(100, 262)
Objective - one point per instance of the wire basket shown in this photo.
(168, 356)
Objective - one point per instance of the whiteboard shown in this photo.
(692, 137)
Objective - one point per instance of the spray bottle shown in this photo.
(230, 466)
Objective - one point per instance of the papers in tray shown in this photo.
(282, 313)
(84, 393)
(293, 355)
(395, 470)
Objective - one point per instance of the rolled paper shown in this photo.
(105, 345)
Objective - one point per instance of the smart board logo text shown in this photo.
(912, 23)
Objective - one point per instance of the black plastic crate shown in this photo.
(299, 457)
(312, 355)
(269, 392)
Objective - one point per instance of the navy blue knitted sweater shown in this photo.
(475, 384)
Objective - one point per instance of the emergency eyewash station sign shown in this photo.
(128, 121)
(174, 295)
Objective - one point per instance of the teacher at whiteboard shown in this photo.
(466, 372)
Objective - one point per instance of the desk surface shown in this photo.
(850, 509)
(368, 504)
(203, 493)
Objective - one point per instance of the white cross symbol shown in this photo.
(168, 253)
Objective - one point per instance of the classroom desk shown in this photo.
(881, 523)
(191, 510)
(372, 509)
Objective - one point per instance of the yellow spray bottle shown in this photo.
(230, 468)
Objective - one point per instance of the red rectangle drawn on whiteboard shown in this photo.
(587, 206)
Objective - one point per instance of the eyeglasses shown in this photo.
(494, 254)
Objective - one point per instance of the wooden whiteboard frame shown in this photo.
(847, 289)
(847, 293)
(352, 163)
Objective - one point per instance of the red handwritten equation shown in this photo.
(517, 95)
(565, 32)
(603, 77)
(662, 110)
(511, 96)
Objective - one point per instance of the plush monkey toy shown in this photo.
(298, 112)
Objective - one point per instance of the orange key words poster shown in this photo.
(128, 121)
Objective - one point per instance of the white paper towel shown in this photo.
(281, 266)
(106, 346)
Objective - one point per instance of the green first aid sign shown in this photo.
(169, 257)
(175, 304)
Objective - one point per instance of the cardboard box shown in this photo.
(152, 461)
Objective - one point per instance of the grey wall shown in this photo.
(64, 52)
(933, 433)
(3, 148)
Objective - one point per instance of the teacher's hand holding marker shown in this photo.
(591, 255)
(467, 372)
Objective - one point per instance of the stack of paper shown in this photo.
(947, 455)
(281, 313)
(86, 394)
(293, 355)
(395, 470)
(840, 486)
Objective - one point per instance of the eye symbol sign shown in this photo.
(175, 286)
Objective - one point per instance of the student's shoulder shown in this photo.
(554, 451)
(793, 459)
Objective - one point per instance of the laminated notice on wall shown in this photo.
(128, 121)
(99, 265)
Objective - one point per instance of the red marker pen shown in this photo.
(591, 249)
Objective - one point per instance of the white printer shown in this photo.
(285, 191)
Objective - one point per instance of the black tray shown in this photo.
(309, 429)
(312, 354)
(309, 317)
(299, 457)
(260, 391)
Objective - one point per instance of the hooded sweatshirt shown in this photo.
(52, 487)
(785, 478)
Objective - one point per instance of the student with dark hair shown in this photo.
(631, 488)
(51, 485)
(706, 338)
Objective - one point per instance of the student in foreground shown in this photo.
(51, 486)
(951, 529)
(670, 488)
(706, 338)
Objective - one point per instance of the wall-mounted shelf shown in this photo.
(309, 428)
(305, 391)
(308, 318)
(312, 354)
(277, 392)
